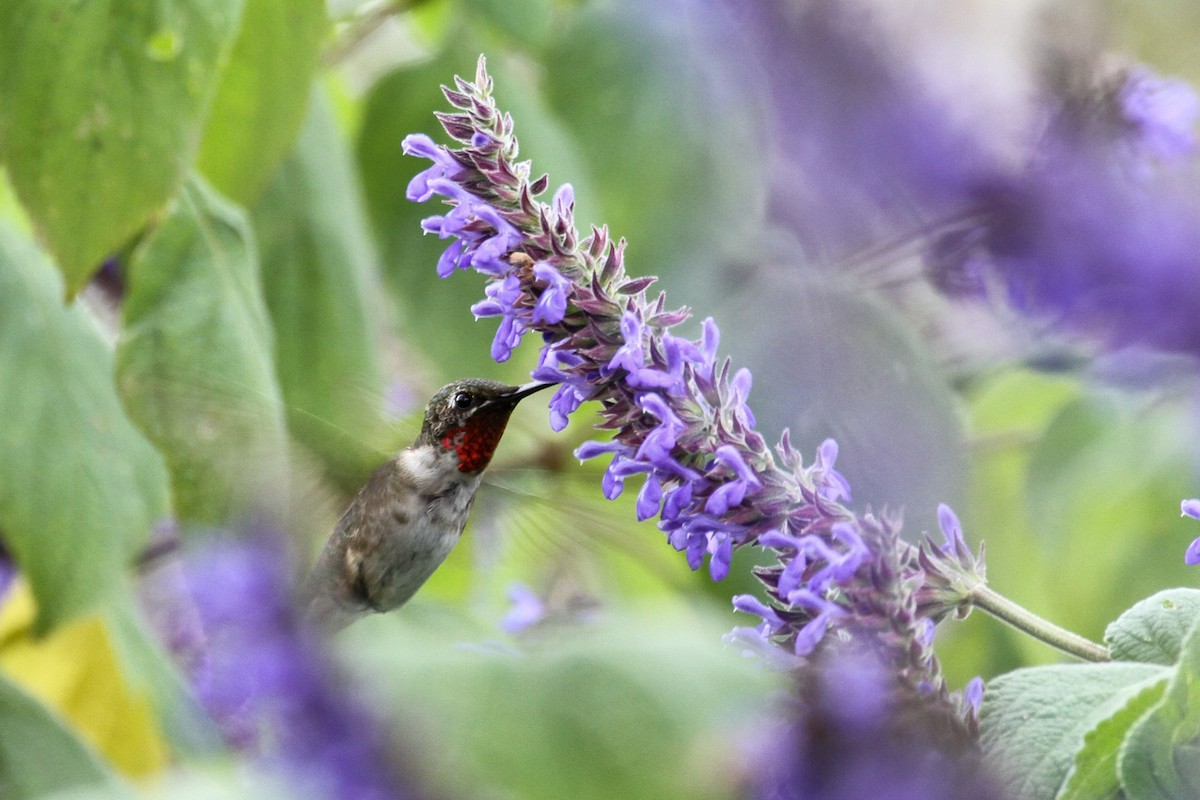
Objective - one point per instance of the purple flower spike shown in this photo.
(263, 676)
(680, 416)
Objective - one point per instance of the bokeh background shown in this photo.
(774, 175)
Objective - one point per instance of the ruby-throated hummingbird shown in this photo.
(400, 527)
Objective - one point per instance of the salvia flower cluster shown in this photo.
(227, 614)
(857, 737)
(679, 414)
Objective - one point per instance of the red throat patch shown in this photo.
(476, 441)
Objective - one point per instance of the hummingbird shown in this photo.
(403, 523)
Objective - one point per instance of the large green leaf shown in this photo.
(1033, 721)
(262, 96)
(322, 286)
(38, 755)
(195, 365)
(1094, 774)
(103, 103)
(1154, 629)
(79, 486)
(1160, 758)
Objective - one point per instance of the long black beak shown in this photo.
(526, 389)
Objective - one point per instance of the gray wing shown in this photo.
(345, 580)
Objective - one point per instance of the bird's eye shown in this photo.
(463, 400)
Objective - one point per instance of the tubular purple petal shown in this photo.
(1190, 508)
(1192, 556)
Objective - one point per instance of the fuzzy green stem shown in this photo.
(1000, 607)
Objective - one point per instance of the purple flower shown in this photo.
(551, 307)
(444, 165)
(680, 416)
(854, 732)
(264, 678)
(1191, 508)
(858, 135)
(527, 609)
(8, 571)
(1163, 112)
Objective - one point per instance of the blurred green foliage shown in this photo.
(280, 321)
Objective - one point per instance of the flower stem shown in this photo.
(1006, 610)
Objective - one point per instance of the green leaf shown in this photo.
(1154, 629)
(79, 485)
(1160, 757)
(615, 719)
(528, 24)
(1033, 720)
(689, 188)
(38, 755)
(322, 291)
(263, 94)
(194, 364)
(1094, 773)
(150, 670)
(103, 103)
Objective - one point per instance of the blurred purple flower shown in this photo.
(858, 139)
(681, 417)
(527, 609)
(1081, 242)
(857, 733)
(262, 675)
(1163, 112)
(1098, 233)
(8, 570)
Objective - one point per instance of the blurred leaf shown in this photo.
(263, 93)
(674, 143)
(1033, 720)
(79, 486)
(1094, 773)
(194, 364)
(527, 24)
(150, 671)
(1154, 629)
(321, 284)
(102, 109)
(1161, 755)
(76, 672)
(10, 208)
(39, 756)
(634, 705)
(1103, 488)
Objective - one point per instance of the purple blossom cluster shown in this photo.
(679, 413)
(859, 735)
(228, 616)
(1085, 218)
